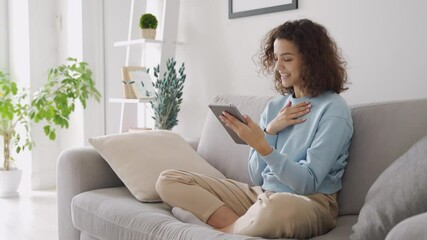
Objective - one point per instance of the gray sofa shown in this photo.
(94, 204)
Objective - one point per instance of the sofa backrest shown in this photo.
(218, 148)
(382, 133)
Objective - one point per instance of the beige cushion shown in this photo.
(139, 157)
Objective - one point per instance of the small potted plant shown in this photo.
(168, 95)
(148, 24)
(53, 104)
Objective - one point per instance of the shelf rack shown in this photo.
(169, 16)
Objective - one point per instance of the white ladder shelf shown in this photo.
(169, 30)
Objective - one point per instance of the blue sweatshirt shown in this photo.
(309, 157)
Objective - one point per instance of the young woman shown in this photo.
(298, 151)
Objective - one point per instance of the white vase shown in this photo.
(9, 182)
(148, 33)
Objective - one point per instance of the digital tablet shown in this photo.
(231, 109)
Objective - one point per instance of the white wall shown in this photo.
(68, 21)
(4, 45)
(19, 67)
(383, 42)
(93, 53)
(42, 35)
(44, 54)
(116, 22)
(61, 36)
(4, 37)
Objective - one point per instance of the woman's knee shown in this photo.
(278, 215)
(282, 205)
(167, 182)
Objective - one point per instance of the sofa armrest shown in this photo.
(194, 142)
(79, 170)
(410, 228)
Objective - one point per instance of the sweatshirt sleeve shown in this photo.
(256, 163)
(306, 175)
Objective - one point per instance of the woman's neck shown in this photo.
(299, 93)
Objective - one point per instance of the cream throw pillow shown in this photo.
(138, 158)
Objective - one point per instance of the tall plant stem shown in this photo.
(6, 151)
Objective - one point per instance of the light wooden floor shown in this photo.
(31, 216)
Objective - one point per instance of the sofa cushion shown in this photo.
(398, 193)
(138, 158)
(114, 214)
(219, 149)
(382, 133)
(341, 231)
(411, 228)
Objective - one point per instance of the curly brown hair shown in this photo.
(323, 67)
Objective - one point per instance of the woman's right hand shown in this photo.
(287, 116)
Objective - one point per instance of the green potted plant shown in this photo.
(168, 95)
(53, 104)
(148, 24)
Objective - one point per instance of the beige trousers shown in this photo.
(262, 214)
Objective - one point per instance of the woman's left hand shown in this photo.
(251, 133)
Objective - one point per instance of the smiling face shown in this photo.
(288, 62)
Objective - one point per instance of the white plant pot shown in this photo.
(9, 182)
(148, 33)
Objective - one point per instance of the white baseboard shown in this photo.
(43, 180)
